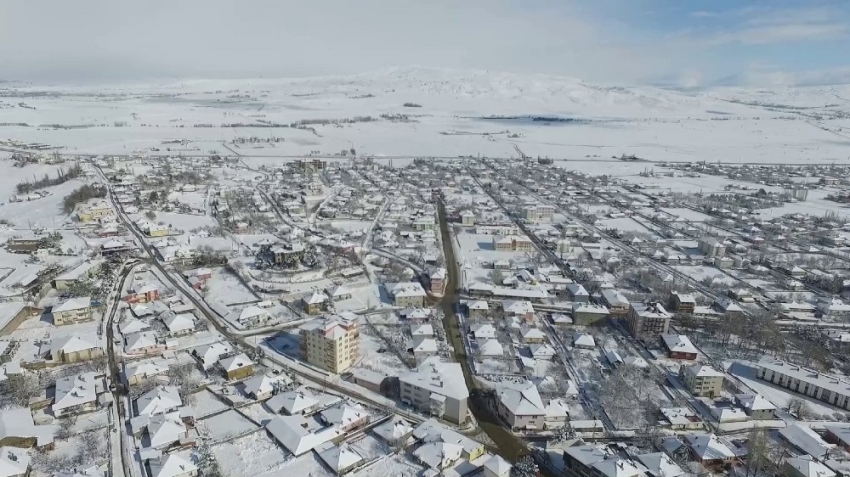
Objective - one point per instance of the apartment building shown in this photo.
(94, 210)
(438, 388)
(332, 344)
(648, 320)
(683, 302)
(73, 310)
(702, 380)
(827, 388)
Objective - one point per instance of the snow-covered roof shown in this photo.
(659, 464)
(423, 344)
(679, 344)
(521, 399)
(338, 458)
(293, 402)
(317, 298)
(433, 431)
(805, 439)
(344, 414)
(132, 325)
(422, 330)
(702, 371)
(140, 340)
(438, 377)
(806, 466)
(618, 467)
(211, 353)
(293, 434)
(438, 455)
(159, 400)
(755, 402)
(406, 289)
(145, 369)
(181, 322)
(76, 390)
(263, 383)
(533, 333)
(171, 465)
(491, 347)
(72, 344)
(557, 408)
(584, 339)
(251, 311)
(483, 331)
(237, 362)
(518, 307)
(394, 429)
(13, 462)
(708, 447)
(71, 304)
(163, 429)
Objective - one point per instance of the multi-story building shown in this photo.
(683, 302)
(520, 405)
(72, 310)
(702, 380)
(648, 320)
(512, 243)
(407, 294)
(438, 388)
(332, 344)
(827, 388)
(712, 247)
(94, 210)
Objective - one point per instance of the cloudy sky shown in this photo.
(689, 43)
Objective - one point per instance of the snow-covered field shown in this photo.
(226, 288)
(461, 113)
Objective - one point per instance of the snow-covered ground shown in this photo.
(226, 288)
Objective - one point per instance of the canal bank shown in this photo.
(509, 446)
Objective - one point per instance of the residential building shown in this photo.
(84, 271)
(467, 218)
(708, 450)
(838, 434)
(496, 466)
(14, 462)
(262, 386)
(144, 293)
(299, 435)
(585, 314)
(805, 466)
(659, 464)
(159, 400)
(803, 439)
(77, 394)
(431, 432)
(332, 344)
(13, 313)
(712, 247)
(513, 243)
(683, 302)
(523, 310)
(171, 465)
(519, 405)
(341, 459)
(438, 280)
(702, 380)
(237, 367)
(577, 292)
(315, 303)
(347, 417)
(72, 310)
(648, 320)
(438, 388)
(679, 347)
(17, 429)
(407, 294)
(75, 349)
(371, 380)
(756, 406)
(581, 459)
(827, 388)
(94, 210)
(617, 304)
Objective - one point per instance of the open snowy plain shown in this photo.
(424, 112)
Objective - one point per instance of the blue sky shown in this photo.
(686, 43)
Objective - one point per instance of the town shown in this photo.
(211, 315)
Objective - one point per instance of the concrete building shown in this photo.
(683, 302)
(72, 310)
(519, 405)
(679, 347)
(648, 320)
(702, 380)
(618, 305)
(237, 367)
(75, 349)
(756, 406)
(407, 294)
(332, 344)
(712, 247)
(827, 388)
(438, 388)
